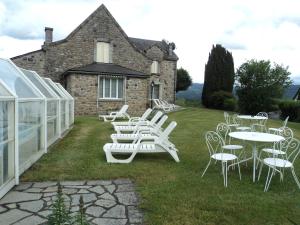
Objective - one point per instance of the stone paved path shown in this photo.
(106, 202)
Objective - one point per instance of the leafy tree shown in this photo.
(183, 80)
(259, 83)
(219, 74)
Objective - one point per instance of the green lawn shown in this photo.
(174, 193)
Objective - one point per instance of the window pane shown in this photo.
(100, 94)
(114, 88)
(107, 88)
(120, 88)
(156, 91)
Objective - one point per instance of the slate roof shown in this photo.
(106, 68)
(143, 45)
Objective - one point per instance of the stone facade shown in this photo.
(78, 49)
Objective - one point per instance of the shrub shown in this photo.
(291, 109)
(230, 104)
(222, 100)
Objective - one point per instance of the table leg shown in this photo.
(254, 160)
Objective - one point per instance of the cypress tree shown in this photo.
(219, 73)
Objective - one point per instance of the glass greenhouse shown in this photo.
(64, 105)
(53, 115)
(31, 111)
(7, 139)
(70, 103)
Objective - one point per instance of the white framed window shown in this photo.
(110, 87)
(102, 52)
(155, 67)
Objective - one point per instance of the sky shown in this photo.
(249, 29)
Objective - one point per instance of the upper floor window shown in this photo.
(155, 67)
(111, 88)
(102, 52)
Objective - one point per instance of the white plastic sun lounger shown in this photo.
(134, 120)
(158, 145)
(114, 115)
(140, 126)
(145, 134)
(160, 105)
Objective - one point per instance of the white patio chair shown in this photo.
(279, 149)
(160, 106)
(158, 145)
(214, 144)
(134, 120)
(122, 113)
(230, 122)
(276, 164)
(260, 125)
(279, 130)
(141, 125)
(223, 130)
(145, 134)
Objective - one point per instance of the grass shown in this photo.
(174, 193)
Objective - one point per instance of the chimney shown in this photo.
(171, 48)
(48, 35)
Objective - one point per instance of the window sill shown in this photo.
(111, 99)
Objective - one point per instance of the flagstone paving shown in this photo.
(106, 202)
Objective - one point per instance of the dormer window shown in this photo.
(155, 67)
(102, 52)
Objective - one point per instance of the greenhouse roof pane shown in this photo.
(16, 81)
(4, 92)
(54, 88)
(64, 91)
(39, 83)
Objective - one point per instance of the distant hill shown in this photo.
(194, 92)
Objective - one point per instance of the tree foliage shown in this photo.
(183, 80)
(259, 83)
(219, 74)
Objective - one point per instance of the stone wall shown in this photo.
(86, 96)
(79, 48)
(32, 61)
(168, 77)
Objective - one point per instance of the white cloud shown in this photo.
(249, 29)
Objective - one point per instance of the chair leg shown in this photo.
(271, 175)
(206, 168)
(267, 179)
(295, 177)
(260, 169)
(239, 171)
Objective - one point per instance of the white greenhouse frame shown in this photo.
(71, 103)
(63, 104)
(11, 76)
(51, 97)
(6, 185)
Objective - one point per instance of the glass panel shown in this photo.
(3, 91)
(30, 132)
(114, 88)
(100, 87)
(156, 91)
(107, 88)
(53, 86)
(52, 117)
(63, 114)
(120, 88)
(35, 80)
(7, 152)
(15, 81)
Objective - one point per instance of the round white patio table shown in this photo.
(253, 138)
(249, 117)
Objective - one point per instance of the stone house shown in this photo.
(103, 68)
